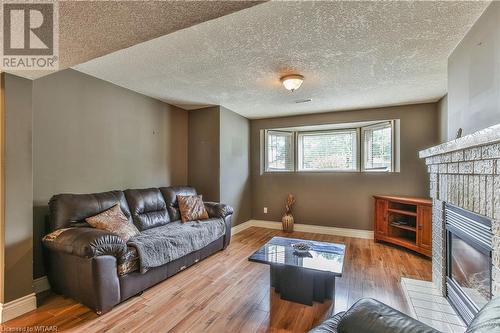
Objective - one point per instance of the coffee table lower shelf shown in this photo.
(302, 285)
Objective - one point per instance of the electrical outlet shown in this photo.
(265, 210)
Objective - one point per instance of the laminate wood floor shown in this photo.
(227, 293)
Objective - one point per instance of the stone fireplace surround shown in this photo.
(465, 172)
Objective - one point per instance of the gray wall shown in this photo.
(235, 187)
(204, 152)
(344, 199)
(474, 76)
(442, 107)
(219, 158)
(92, 136)
(18, 189)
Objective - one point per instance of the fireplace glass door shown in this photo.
(468, 260)
(471, 270)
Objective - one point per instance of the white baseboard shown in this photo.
(41, 284)
(17, 307)
(242, 226)
(346, 232)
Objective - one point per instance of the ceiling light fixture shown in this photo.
(292, 82)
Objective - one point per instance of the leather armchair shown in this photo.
(371, 316)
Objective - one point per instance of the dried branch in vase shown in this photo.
(290, 201)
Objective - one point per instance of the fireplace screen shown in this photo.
(468, 260)
(471, 269)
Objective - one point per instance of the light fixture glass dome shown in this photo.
(292, 82)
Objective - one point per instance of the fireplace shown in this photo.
(468, 260)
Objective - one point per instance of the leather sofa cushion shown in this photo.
(170, 195)
(148, 208)
(71, 210)
(488, 319)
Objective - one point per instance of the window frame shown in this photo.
(266, 155)
(360, 154)
(363, 147)
(299, 148)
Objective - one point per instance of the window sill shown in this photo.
(329, 171)
(326, 172)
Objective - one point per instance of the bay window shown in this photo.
(368, 146)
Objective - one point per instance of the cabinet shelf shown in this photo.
(412, 212)
(402, 212)
(404, 227)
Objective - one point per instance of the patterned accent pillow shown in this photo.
(128, 267)
(54, 234)
(129, 262)
(114, 221)
(192, 208)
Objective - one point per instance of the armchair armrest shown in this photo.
(85, 242)
(216, 209)
(371, 316)
(328, 326)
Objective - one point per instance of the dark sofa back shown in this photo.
(170, 195)
(148, 208)
(70, 210)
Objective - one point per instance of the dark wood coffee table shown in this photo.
(302, 278)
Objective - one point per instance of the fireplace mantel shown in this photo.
(483, 137)
(466, 173)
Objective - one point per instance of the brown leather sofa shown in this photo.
(96, 267)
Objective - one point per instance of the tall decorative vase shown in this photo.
(287, 222)
(287, 219)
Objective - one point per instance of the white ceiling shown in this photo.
(90, 29)
(353, 55)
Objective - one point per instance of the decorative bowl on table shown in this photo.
(301, 248)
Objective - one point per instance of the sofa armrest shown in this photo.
(370, 316)
(229, 225)
(222, 211)
(216, 209)
(85, 242)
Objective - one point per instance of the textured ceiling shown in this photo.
(353, 55)
(90, 29)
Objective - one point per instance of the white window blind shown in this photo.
(329, 150)
(378, 147)
(279, 151)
